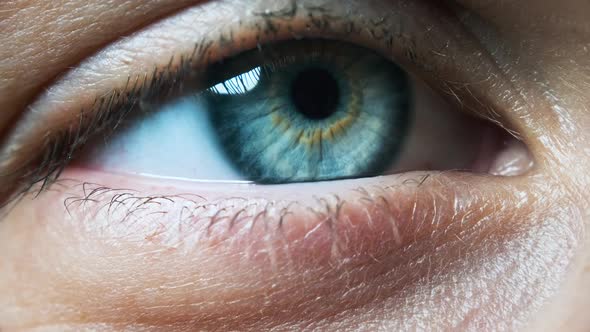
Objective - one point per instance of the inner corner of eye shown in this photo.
(301, 111)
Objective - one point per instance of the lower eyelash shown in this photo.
(195, 214)
(130, 204)
(375, 219)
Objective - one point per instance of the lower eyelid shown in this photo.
(377, 216)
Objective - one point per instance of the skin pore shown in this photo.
(467, 252)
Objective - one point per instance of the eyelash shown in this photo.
(102, 118)
(107, 112)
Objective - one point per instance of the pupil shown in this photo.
(315, 93)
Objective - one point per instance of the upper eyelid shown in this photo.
(152, 48)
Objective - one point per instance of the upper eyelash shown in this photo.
(108, 111)
(103, 118)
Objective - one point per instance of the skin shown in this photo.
(480, 253)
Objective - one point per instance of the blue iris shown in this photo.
(309, 110)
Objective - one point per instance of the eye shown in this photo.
(275, 97)
(295, 111)
(292, 111)
(319, 111)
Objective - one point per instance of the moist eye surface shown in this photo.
(309, 110)
(293, 111)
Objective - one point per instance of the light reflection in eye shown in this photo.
(240, 84)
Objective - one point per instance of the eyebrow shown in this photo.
(42, 39)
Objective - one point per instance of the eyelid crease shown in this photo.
(390, 34)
